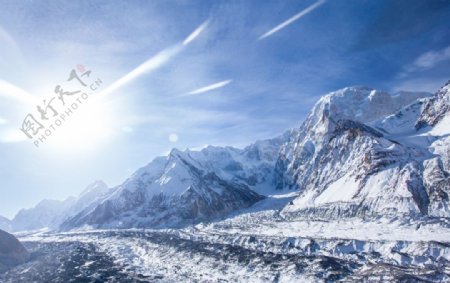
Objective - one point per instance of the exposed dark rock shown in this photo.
(12, 252)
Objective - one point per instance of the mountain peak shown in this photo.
(358, 91)
(94, 188)
(361, 104)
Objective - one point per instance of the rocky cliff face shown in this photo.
(371, 165)
(11, 251)
(435, 108)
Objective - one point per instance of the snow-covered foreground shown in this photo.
(176, 256)
(248, 246)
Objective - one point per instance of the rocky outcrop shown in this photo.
(5, 224)
(435, 108)
(12, 252)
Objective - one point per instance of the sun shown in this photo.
(87, 128)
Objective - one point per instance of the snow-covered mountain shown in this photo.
(186, 187)
(90, 197)
(51, 213)
(44, 214)
(360, 152)
(379, 163)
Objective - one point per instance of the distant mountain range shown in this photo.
(51, 213)
(359, 153)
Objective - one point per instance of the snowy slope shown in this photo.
(44, 214)
(171, 191)
(385, 162)
(91, 196)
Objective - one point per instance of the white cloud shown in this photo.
(432, 58)
(427, 60)
(11, 135)
(14, 92)
(292, 19)
(155, 62)
(151, 64)
(18, 98)
(195, 33)
(208, 88)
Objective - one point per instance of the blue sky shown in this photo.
(222, 84)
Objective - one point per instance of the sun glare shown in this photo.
(87, 128)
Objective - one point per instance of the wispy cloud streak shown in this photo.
(427, 60)
(150, 65)
(208, 88)
(195, 33)
(7, 38)
(155, 62)
(292, 19)
(16, 93)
